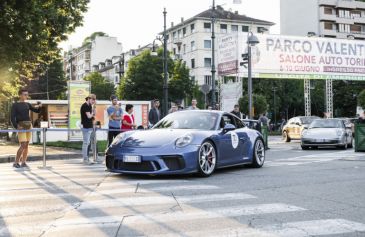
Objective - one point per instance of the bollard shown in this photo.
(95, 153)
(44, 130)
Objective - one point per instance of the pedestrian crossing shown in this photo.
(102, 204)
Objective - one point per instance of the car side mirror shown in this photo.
(228, 127)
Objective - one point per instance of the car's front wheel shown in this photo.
(258, 158)
(286, 137)
(207, 159)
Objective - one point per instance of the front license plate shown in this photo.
(132, 159)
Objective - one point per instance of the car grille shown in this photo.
(112, 163)
(174, 162)
(324, 142)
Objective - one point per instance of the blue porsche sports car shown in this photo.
(187, 141)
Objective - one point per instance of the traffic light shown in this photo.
(244, 60)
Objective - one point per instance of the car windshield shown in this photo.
(189, 120)
(307, 120)
(324, 123)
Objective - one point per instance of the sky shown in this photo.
(137, 22)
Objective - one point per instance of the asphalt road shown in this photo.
(297, 193)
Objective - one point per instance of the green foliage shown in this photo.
(180, 85)
(30, 33)
(361, 99)
(144, 78)
(259, 103)
(90, 38)
(100, 86)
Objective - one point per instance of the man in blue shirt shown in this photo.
(115, 116)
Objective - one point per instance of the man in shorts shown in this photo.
(21, 120)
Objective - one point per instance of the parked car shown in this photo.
(327, 132)
(190, 141)
(294, 127)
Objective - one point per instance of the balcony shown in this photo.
(328, 2)
(343, 20)
(327, 17)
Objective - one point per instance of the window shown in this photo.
(192, 44)
(207, 27)
(245, 29)
(207, 62)
(328, 11)
(179, 34)
(207, 44)
(234, 28)
(192, 63)
(174, 50)
(116, 79)
(238, 122)
(184, 48)
(344, 14)
(355, 28)
(328, 25)
(226, 119)
(192, 28)
(223, 28)
(344, 28)
(174, 36)
(184, 31)
(208, 80)
(356, 14)
(192, 79)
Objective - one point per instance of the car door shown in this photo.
(243, 147)
(230, 149)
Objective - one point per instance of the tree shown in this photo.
(143, 79)
(180, 85)
(100, 86)
(259, 104)
(361, 99)
(30, 33)
(52, 81)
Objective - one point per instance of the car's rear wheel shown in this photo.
(286, 137)
(258, 158)
(207, 160)
(305, 147)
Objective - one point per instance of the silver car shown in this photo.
(326, 133)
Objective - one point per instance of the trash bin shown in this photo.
(265, 134)
(359, 137)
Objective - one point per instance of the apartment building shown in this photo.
(343, 19)
(80, 61)
(190, 40)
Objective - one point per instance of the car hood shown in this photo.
(322, 132)
(154, 137)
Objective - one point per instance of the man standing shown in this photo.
(193, 105)
(115, 113)
(236, 111)
(87, 117)
(21, 120)
(154, 115)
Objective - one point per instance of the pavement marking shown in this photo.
(127, 189)
(123, 202)
(315, 228)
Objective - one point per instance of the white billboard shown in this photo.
(278, 56)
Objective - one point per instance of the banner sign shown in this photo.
(230, 94)
(289, 57)
(78, 91)
(228, 55)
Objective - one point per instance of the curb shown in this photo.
(11, 158)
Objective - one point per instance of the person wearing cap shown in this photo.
(87, 116)
(115, 113)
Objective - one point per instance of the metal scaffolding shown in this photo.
(329, 98)
(307, 97)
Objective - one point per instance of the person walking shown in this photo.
(128, 122)
(20, 120)
(236, 111)
(193, 105)
(154, 115)
(87, 117)
(115, 113)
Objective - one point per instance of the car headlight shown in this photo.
(184, 140)
(118, 139)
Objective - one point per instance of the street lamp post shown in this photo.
(213, 55)
(252, 40)
(165, 65)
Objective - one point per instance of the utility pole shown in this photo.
(165, 73)
(213, 56)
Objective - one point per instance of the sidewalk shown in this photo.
(8, 152)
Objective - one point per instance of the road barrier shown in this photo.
(44, 135)
(359, 137)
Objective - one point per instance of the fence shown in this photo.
(44, 136)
